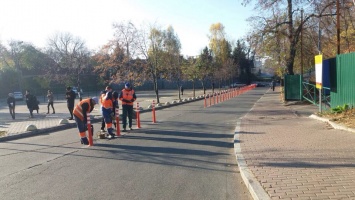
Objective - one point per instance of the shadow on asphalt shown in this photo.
(177, 157)
(184, 141)
(165, 150)
(184, 133)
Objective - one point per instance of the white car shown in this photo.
(18, 96)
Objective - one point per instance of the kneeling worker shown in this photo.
(80, 114)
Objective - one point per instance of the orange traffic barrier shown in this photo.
(153, 112)
(118, 132)
(138, 117)
(91, 143)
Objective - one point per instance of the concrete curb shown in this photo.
(253, 185)
(334, 125)
(41, 131)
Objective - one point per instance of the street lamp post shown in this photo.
(301, 54)
(15, 50)
(338, 27)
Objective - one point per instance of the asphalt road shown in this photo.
(187, 154)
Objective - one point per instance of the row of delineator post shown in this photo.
(213, 98)
(117, 118)
(224, 95)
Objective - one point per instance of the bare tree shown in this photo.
(118, 61)
(172, 58)
(286, 24)
(71, 55)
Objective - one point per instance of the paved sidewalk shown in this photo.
(12, 129)
(293, 156)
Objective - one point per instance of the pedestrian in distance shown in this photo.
(182, 90)
(272, 84)
(127, 96)
(50, 97)
(80, 114)
(11, 103)
(70, 96)
(36, 104)
(31, 102)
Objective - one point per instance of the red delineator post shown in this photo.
(91, 143)
(153, 112)
(138, 117)
(118, 132)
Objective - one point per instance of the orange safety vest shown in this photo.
(78, 110)
(102, 98)
(107, 104)
(127, 95)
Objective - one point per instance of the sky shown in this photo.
(34, 21)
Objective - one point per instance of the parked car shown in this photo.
(18, 96)
(237, 84)
(261, 84)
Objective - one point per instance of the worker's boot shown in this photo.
(84, 141)
(110, 132)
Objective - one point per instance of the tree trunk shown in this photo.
(193, 87)
(203, 87)
(178, 87)
(155, 82)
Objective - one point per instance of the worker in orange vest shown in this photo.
(103, 93)
(107, 109)
(127, 96)
(80, 115)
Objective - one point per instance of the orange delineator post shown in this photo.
(213, 96)
(138, 117)
(217, 97)
(153, 112)
(118, 132)
(209, 96)
(205, 103)
(91, 143)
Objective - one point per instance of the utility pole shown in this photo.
(16, 48)
(338, 27)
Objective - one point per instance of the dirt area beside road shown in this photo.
(346, 118)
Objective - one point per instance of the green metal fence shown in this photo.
(344, 93)
(311, 94)
(339, 74)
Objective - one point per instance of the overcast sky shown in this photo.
(34, 21)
